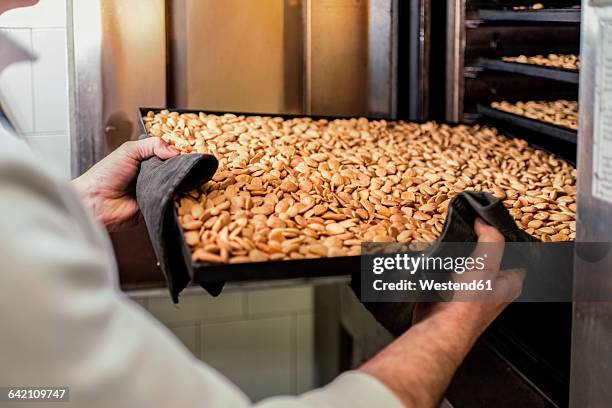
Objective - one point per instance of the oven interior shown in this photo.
(533, 338)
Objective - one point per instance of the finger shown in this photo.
(140, 150)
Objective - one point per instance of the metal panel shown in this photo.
(337, 38)
(285, 56)
(85, 83)
(237, 54)
(133, 64)
(307, 57)
(382, 57)
(419, 56)
(114, 67)
(591, 370)
(455, 48)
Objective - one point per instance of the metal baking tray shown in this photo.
(558, 74)
(555, 131)
(551, 15)
(314, 268)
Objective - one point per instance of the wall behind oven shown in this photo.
(36, 93)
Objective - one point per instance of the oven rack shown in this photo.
(565, 134)
(557, 74)
(551, 15)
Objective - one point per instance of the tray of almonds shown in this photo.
(296, 196)
(570, 62)
(558, 119)
(537, 66)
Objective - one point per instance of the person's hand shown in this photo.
(480, 309)
(108, 186)
(418, 366)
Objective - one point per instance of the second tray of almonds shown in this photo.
(561, 112)
(302, 188)
(565, 61)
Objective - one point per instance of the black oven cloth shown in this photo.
(156, 186)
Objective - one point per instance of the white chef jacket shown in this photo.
(64, 321)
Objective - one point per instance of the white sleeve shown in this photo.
(65, 322)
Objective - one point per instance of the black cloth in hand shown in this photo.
(159, 181)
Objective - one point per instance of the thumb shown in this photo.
(143, 149)
(487, 233)
(490, 245)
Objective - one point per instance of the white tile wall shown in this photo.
(50, 80)
(189, 336)
(304, 353)
(297, 299)
(254, 354)
(54, 151)
(16, 87)
(263, 340)
(36, 93)
(195, 307)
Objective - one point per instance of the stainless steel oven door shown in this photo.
(592, 321)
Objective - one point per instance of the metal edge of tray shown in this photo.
(142, 112)
(555, 131)
(558, 15)
(507, 131)
(557, 74)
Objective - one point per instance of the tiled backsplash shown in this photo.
(36, 93)
(49, 75)
(262, 340)
(16, 84)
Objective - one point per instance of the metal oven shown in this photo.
(487, 46)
